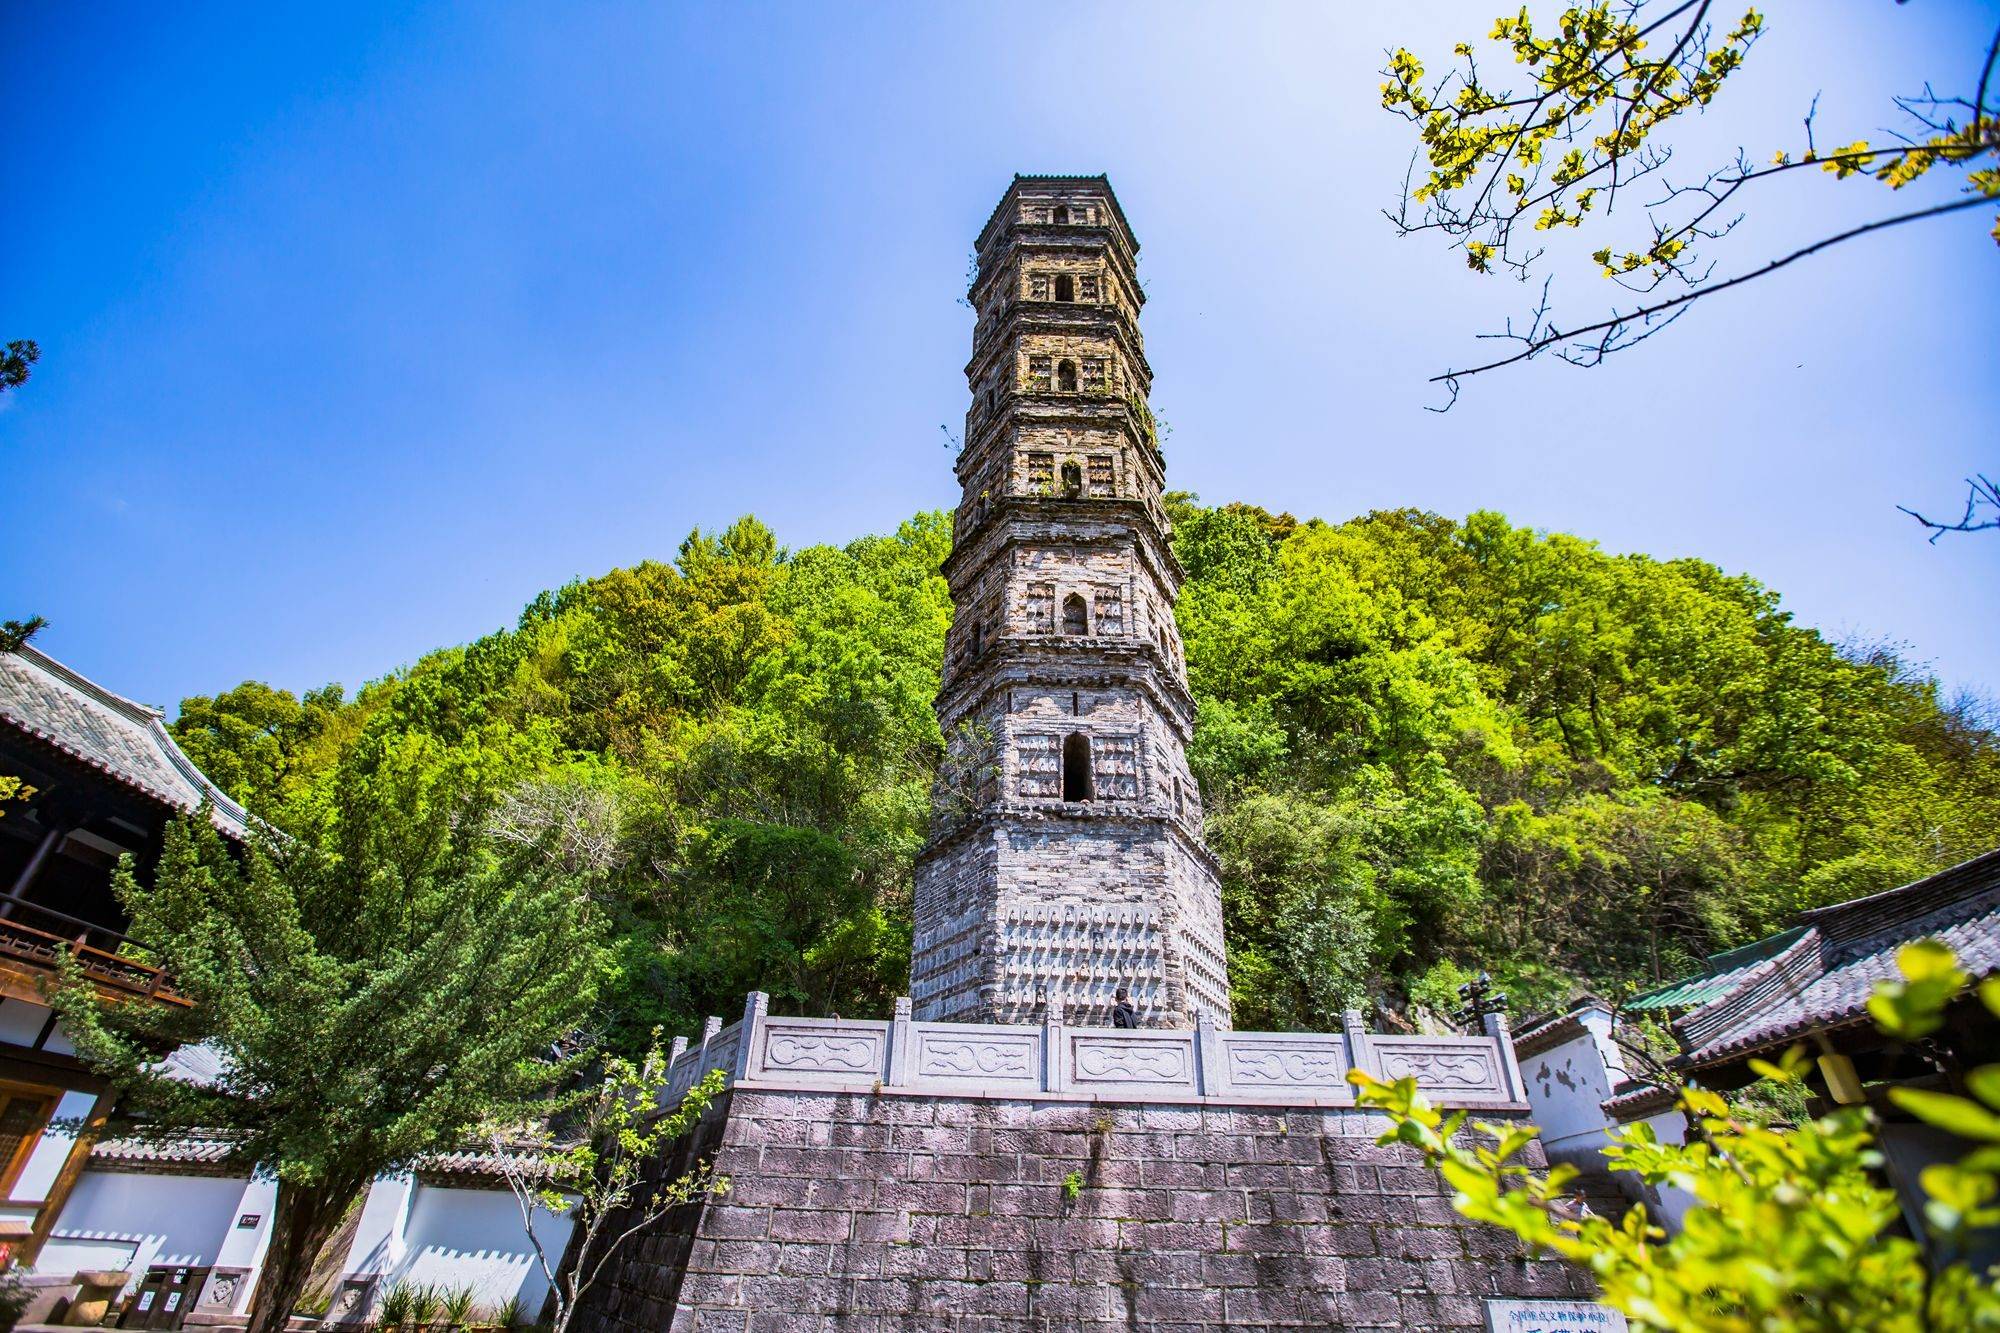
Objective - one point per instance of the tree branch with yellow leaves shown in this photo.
(1495, 168)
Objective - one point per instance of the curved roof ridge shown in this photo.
(76, 680)
(1781, 975)
(1943, 890)
(121, 738)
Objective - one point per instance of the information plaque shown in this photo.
(1552, 1317)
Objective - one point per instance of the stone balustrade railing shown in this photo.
(1093, 1064)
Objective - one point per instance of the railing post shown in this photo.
(1054, 1055)
(711, 1028)
(677, 1050)
(902, 1047)
(755, 1006)
(1211, 1076)
(1360, 1051)
(1510, 1068)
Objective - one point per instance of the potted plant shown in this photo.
(456, 1304)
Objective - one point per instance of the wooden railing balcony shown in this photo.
(34, 937)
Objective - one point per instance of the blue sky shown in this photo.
(361, 327)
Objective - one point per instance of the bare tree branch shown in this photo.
(1614, 325)
(1981, 493)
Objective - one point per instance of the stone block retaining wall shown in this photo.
(871, 1211)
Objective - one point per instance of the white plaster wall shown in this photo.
(1566, 1084)
(379, 1237)
(146, 1219)
(445, 1237)
(244, 1247)
(474, 1237)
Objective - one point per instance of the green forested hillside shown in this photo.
(1425, 746)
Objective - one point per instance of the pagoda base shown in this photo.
(877, 1211)
(907, 1175)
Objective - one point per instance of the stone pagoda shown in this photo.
(997, 1153)
(1066, 860)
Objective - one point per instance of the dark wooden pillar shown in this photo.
(65, 1181)
(22, 881)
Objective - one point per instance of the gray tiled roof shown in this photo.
(183, 1150)
(199, 1152)
(1824, 978)
(1723, 971)
(202, 1064)
(126, 741)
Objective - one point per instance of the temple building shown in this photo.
(1066, 860)
(1808, 985)
(102, 777)
(164, 1234)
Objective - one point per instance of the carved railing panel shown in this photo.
(1272, 1062)
(1119, 1064)
(1108, 1058)
(1456, 1068)
(976, 1055)
(820, 1050)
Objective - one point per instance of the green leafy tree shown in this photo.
(602, 1178)
(17, 360)
(1793, 1229)
(1417, 740)
(15, 633)
(378, 988)
(260, 744)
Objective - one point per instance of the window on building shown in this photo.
(1086, 287)
(975, 638)
(1038, 373)
(1041, 608)
(1041, 766)
(1076, 768)
(1093, 374)
(1061, 215)
(1065, 287)
(1038, 286)
(1066, 376)
(23, 1116)
(1041, 473)
(1072, 480)
(1076, 618)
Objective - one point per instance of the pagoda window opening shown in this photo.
(1061, 215)
(1072, 480)
(1076, 768)
(1066, 377)
(977, 636)
(1065, 287)
(1076, 616)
